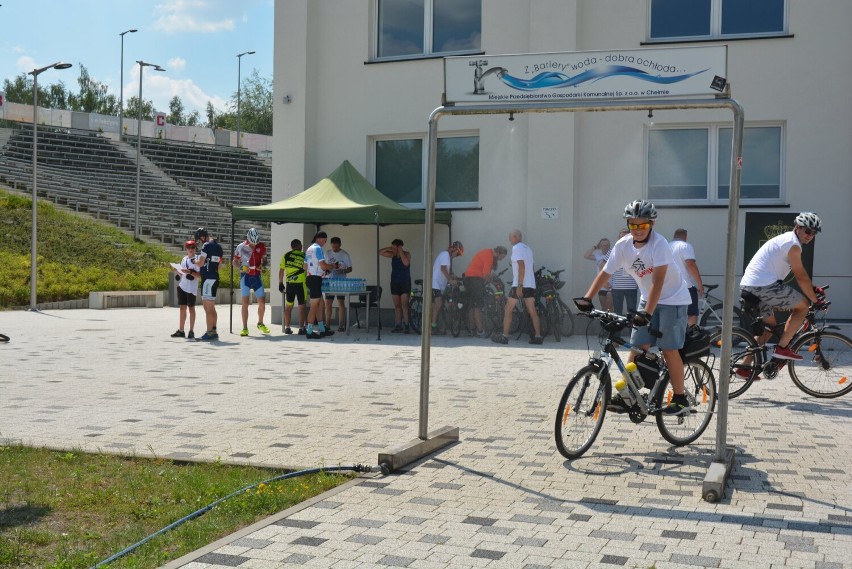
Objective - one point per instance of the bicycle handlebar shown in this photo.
(613, 322)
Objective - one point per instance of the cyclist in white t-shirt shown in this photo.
(441, 277)
(523, 288)
(684, 257)
(645, 255)
(763, 277)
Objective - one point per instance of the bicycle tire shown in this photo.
(554, 315)
(700, 389)
(519, 320)
(581, 411)
(709, 320)
(494, 317)
(743, 345)
(567, 319)
(821, 349)
(415, 314)
(453, 319)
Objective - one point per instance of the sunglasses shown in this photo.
(809, 231)
(633, 226)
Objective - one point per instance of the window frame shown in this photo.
(424, 170)
(716, 27)
(713, 198)
(428, 38)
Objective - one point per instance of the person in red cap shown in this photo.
(187, 289)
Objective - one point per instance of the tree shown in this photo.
(20, 90)
(93, 97)
(211, 115)
(132, 109)
(194, 119)
(176, 110)
(255, 105)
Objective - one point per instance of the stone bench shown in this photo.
(126, 299)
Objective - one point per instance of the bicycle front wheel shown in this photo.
(581, 411)
(825, 371)
(746, 360)
(700, 389)
(454, 319)
(415, 314)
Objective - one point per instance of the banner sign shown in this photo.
(626, 74)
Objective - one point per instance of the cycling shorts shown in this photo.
(209, 288)
(296, 291)
(250, 283)
(314, 284)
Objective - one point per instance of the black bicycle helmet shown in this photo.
(809, 220)
(201, 232)
(640, 208)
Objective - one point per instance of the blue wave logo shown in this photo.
(555, 80)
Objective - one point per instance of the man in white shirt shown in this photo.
(523, 287)
(342, 263)
(645, 255)
(441, 277)
(684, 258)
(763, 278)
(315, 268)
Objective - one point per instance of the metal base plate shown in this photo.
(713, 488)
(411, 451)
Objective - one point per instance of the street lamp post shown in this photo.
(142, 66)
(35, 73)
(239, 59)
(121, 87)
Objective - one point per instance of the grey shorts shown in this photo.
(670, 320)
(776, 296)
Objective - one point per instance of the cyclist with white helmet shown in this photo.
(764, 278)
(646, 256)
(250, 258)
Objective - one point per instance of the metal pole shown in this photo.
(138, 151)
(35, 200)
(239, 60)
(121, 87)
(33, 273)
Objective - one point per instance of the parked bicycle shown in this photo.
(710, 310)
(558, 317)
(583, 406)
(824, 372)
(494, 304)
(451, 317)
(415, 306)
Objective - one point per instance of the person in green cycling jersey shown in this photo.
(293, 268)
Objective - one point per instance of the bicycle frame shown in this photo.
(609, 355)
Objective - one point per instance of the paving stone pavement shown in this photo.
(114, 381)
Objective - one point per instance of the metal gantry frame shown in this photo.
(714, 483)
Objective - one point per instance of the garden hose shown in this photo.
(208, 507)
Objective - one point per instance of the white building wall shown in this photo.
(588, 165)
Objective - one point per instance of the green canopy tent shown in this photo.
(344, 197)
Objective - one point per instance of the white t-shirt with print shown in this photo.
(640, 264)
(521, 252)
(439, 280)
(313, 256)
(770, 263)
(341, 257)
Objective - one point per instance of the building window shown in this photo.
(400, 171)
(693, 164)
(417, 28)
(703, 19)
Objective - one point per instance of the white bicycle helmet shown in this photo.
(640, 208)
(253, 236)
(809, 220)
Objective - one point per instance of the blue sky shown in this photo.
(197, 41)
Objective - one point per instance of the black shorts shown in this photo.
(185, 298)
(314, 283)
(295, 291)
(474, 287)
(693, 306)
(436, 293)
(398, 289)
(528, 292)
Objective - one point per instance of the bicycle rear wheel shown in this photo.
(581, 411)
(453, 319)
(746, 360)
(700, 389)
(827, 368)
(566, 318)
(415, 314)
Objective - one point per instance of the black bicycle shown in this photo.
(824, 372)
(415, 306)
(583, 406)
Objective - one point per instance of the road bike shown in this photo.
(824, 372)
(710, 310)
(583, 406)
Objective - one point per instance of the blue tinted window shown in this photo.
(752, 16)
(680, 18)
(401, 27)
(456, 25)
